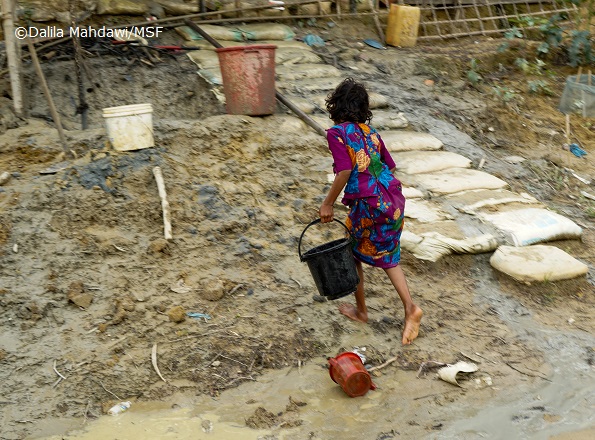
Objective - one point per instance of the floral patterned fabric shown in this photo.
(374, 195)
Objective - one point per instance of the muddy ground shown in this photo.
(88, 285)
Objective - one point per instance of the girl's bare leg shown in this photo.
(413, 313)
(359, 312)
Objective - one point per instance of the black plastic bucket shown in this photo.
(332, 266)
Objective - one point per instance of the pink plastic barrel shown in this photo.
(248, 74)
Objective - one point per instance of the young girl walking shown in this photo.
(364, 167)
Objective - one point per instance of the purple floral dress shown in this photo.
(373, 194)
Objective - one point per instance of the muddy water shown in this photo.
(563, 403)
(328, 411)
(540, 409)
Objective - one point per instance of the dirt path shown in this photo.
(88, 285)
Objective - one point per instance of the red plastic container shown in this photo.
(348, 371)
(248, 74)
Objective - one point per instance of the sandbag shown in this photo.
(453, 180)
(206, 46)
(309, 85)
(431, 246)
(412, 193)
(323, 121)
(410, 141)
(307, 71)
(121, 7)
(360, 6)
(533, 225)
(267, 31)
(320, 8)
(208, 58)
(219, 33)
(538, 263)
(211, 75)
(287, 44)
(292, 55)
(416, 162)
(376, 101)
(424, 211)
(228, 9)
(384, 120)
(288, 123)
(303, 104)
(470, 201)
(204, 59)
(177, 8)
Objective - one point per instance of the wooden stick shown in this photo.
(57, 372)
(154, 361)
(78, 59)
(527, 374)
(48, 95)
(388, 362)
(377, 21)
(164, 203)
(14, 60)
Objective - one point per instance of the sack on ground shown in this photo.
(533, 225)
(538, 263)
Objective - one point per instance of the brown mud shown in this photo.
(88, 285)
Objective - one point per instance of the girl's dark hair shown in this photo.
(349, 102)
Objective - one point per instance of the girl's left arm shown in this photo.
(326, 209)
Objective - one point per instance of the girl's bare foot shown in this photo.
(412, 321)
(351, 312)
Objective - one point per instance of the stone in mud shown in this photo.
(8, 119)
(177, 314)
(212, 290)
(30, 311)
(77, 295)
(158, 246)
(123, 306)
(261, 419)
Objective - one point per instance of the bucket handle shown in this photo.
(312, 224)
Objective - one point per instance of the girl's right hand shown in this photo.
(326, 213)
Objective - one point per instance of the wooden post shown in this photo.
(48, 95)
(164, 203)
(14, 60)
(78, 60)
(377, 21)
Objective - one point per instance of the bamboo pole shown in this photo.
(78, 60)
(164, 203)
(377, 22)
(14, 60)
(48, 95)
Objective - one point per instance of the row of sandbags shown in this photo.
(519, 219)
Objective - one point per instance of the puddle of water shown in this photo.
(328, 412)
(545, 408)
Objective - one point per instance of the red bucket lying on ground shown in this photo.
(348, 371)
(248, 74)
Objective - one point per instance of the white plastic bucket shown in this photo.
(130, 127)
